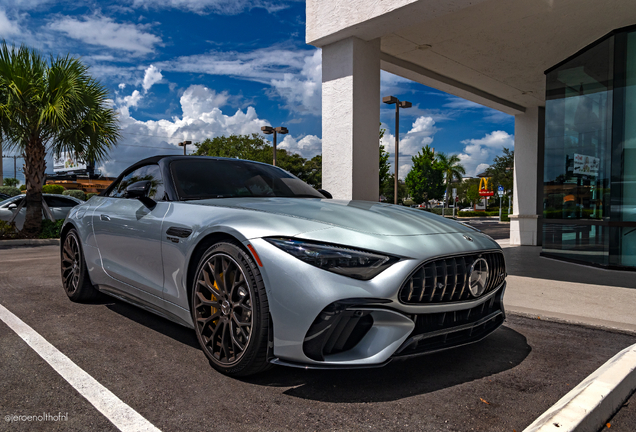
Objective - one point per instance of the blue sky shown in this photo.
(193, 69)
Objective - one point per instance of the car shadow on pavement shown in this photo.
(501, 351)
(161, 325)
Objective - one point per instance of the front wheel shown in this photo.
(75, 279)
(230, 310)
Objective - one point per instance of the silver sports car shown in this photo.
(267, 270)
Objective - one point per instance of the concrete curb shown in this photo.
(588, 406)
(4, 244)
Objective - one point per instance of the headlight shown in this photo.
(354, 263)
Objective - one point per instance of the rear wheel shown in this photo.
(77, 283)
(230, 310)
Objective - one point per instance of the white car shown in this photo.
(59, 205)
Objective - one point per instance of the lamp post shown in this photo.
(268, 130)
(184, 144)
(390, 100)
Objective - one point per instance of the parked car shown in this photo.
(268, 270)
(59, 205)
(4, 196)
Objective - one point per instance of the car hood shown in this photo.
(364, 216)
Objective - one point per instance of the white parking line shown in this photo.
(121, 415)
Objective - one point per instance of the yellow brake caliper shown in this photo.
(213, 298)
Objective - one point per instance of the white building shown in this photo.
(493, 52)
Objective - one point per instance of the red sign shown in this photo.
(486, 193)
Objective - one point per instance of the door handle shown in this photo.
(105, 218)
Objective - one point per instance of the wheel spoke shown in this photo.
(67, 247)
(222, 309)
(206, 302)
(205, 321)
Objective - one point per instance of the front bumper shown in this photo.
(373, 327)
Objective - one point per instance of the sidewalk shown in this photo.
(556, 290)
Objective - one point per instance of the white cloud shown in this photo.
(294, 75)
(223, 7)
(7, 26)
(199, 100)
(478, 153)
(152, 75)
(420, 135)
(490, 115)
(202, 118)
(122, 86)
(308, 146)
(104, 31)
(125, 103)
(302, 91)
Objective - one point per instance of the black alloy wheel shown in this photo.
(75, 278)
(230, 311)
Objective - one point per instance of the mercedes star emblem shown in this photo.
(478, 277)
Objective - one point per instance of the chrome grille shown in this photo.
(446, 279)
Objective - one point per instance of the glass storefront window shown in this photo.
(578, 155)
(589, 201)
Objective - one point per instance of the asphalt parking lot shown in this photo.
(500, 384)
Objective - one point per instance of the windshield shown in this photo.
(197, 178)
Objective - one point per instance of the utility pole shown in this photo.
(268, 130)
(184, 144)
(390, 100)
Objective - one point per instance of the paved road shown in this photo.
(500, 384)
(492, 227)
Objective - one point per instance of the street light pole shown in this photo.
(390, 100)
(184, 144)
(268, 130)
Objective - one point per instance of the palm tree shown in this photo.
(451, 168)
(53, 106)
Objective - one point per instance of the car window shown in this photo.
(59, 202)
(198, 178)
(6, 203)
(148, 172)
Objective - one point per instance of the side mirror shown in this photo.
(325, 193)
(140, 190)
(12, 207)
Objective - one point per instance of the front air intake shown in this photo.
(338, 328)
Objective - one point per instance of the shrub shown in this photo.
(22, 187)
(75, 194)
(53, 189)
(51, 229)
(10, 190)
(7, 230)
(90, 195)
(8, 181)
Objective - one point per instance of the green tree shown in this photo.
(10, 182)
(502, 170)
(451, 168)
(54, 106)
(472, 192)
(425, 180)
(384, 163)
(388, 190)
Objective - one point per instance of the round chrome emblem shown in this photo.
(478, 278)
(225, 307)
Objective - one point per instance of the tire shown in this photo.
(75, 279)
(230, 310)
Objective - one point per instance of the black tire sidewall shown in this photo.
(260, 313)
(84, 284)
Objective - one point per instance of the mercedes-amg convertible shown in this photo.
(268, 270)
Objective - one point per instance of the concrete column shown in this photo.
(525, 221)
(351, 119)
